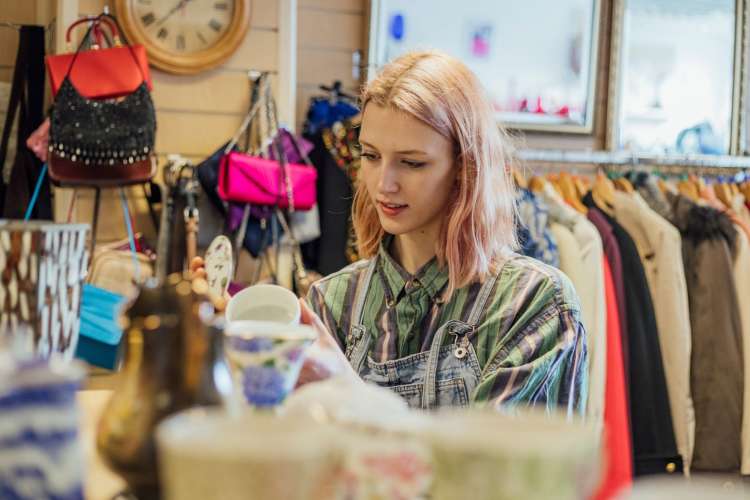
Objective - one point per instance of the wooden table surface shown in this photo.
(99, 483)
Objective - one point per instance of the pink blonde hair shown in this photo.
(442, 92)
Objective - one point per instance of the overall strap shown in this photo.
(359, 337)
(481, 302)
(429, 389)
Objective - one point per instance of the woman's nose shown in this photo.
(388, 179)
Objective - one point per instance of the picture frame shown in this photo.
(738, 140)
(543, 108)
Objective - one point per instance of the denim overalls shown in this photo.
(440, 377)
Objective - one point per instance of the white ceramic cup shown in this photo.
(264, 303)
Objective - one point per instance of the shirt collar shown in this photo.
(430, 277)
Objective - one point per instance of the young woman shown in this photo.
(441, 310)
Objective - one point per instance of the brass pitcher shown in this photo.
(174, 360)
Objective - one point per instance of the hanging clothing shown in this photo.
(738, 207)
(614, 259)
(581, 255)
(660, 248)
(329, 253)
(10, 153)
(741, 271)
(708, 195)
(653, 437)
(534, 215)
(716, 372)
(648, 187)
(26, 102)
(528, 341)
(618, 468)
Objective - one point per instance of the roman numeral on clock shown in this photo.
(221, 6)
(181, 42)
(162, 34)
(215, 25)
(201, 37)
(148, 19)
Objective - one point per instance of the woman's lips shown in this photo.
(391, 209)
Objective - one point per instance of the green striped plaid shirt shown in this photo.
(529, 341)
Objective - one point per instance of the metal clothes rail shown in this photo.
(688, 163)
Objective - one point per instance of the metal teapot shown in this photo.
(174, 360)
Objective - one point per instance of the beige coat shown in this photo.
(660, 247)
(581, 257)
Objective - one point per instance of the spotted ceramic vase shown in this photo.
(43, 268)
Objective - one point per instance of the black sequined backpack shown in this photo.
(101, 142)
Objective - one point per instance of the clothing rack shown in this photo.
(670, 163)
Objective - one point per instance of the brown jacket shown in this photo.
(716, 375)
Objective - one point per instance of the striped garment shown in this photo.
(529, 341)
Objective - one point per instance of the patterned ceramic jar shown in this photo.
(43, 267)
(485, 455)
(266, 359)
(207, 453)
(383, 456)
(40, 454)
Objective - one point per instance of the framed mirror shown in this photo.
(537, 58)
(676, 76)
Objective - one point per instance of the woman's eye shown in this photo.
(368, 155)
(414, 164)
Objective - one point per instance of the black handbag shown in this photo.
(102, 142)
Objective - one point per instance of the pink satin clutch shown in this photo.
(249, 179)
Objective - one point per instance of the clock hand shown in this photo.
(177, 7)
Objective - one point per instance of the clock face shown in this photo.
(183, 27)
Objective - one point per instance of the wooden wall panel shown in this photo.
(323, 66)
(19, 12)
(195, 114)
(335, 5)
(220, 93)
(322, 29)
(264, 13)
(329, 32)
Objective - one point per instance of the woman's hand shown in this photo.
(198, 271)
(38, 141)
(325, 359)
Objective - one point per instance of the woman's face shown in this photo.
(408, 170)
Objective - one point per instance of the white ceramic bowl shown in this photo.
(264, 303)
(207, 453)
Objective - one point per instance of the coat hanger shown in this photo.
(603, 193)
(723, 193)
(519, 178)
(623, 184)
(336, 93)
(688, 188)
(537, 183)
(569, 192)
(13, 26)
(581, 185)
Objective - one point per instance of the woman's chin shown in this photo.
(391, 227)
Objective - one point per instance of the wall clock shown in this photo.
(185, 36)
